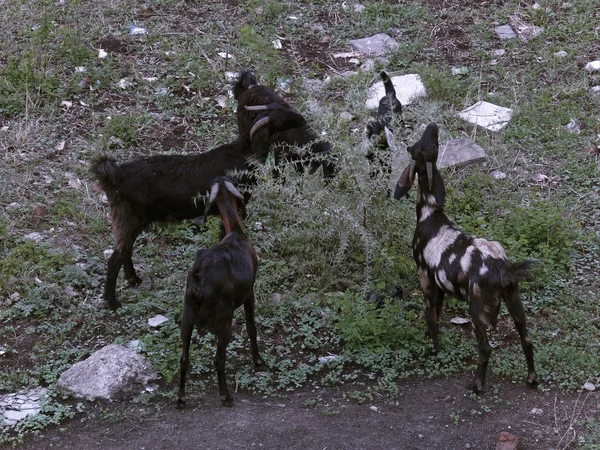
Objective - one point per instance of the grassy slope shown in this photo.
(321, 248)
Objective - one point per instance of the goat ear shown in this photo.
(405, 182)
(439, 190)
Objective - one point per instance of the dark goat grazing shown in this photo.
(249, 93)
(221, 280)
(451, 262)
(162, 187)
(380, 129)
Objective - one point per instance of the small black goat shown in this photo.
(451, 262)
(257, 98)
(380, 129)
(221, 280)
(163, 187)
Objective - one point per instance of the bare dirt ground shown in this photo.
(428, 414)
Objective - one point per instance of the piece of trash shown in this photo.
(460, 70)
(67, 104)
(498, 175)
(499, 52)
(277, 45)
(60, 146)
(226, 55)
(125, 83)
(459, 321)
(573, 127)
(82, 103)
(539, 177)
(150, 79)
(157, 320)
(560, 54)
(292, 17)
(589, 386)
(346, 55)
(487, 115)
(102, 54)
(80, 69)
(592, 66)
(354, 61)
(537, 411)
(328, 358)
(374, 408)
(137, 30)
(222, 101)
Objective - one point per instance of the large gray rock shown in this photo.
(452, 153)
(376, 45)
(111, 370)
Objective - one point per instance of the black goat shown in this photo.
(257, 98)
(163, 187)
(221, 280)
(451, 262)
(380, 129)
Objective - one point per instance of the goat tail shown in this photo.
(387, 83)
(108, 173)
(517, 272)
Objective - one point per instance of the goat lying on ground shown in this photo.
(162, 187)
(452, 262)
(380, 129)
(249, 93)
(221, 280)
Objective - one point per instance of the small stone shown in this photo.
(125, 83)
(505, 32)
(589, 386)
(507, 441)
(35, 236)
(560, 54)
(499, 52)
(374, 408)
(498, 175)
(592, 66)
(157, 321)
(573, 127)
(537, 411)
(328, 358)
(459, 321)
(376, 45)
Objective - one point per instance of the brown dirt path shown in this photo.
(428, 414)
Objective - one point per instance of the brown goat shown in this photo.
(256, 98)
(451, 262)
(221, 280)
(163, 187)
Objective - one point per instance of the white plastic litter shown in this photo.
(487, 115)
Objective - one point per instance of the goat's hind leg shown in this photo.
(484, 350)
(431, 294)
(516, 310)
(251, 327)
(223, 338)
(132, 278)
(113, 264)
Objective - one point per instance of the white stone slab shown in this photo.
(487, 115)
(157, 321)
(452, 153)
(376, 45)
(505, 32)
(408, 87)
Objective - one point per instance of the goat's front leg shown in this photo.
(187, 328)
(114, 264)
(220, 356)
(429, 287)
(251, 327)
(132, 278)
(516, 310)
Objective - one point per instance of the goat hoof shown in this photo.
(260, 366)
(180, 403)
(532, 380)
(228, 401)
(476, 388)
(112, 305)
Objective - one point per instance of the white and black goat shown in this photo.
(221, 280)
(257, 98)
(451, 262)
(165, 187)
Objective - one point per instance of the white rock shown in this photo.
(373, 408)
(376, 45)
(498, 175)
(505, 32)
(589, 386)
(35, 236)
(487, 115)
(596, 90)
(592, 66)
(358, 8)
(459, 321)
(226, 55)
(560, 54)
(137, 30)
(499, 52)
(277, 45)
(124, 83)
(408, 87)
(156, 321)
(19, 415)
(537, 411)
(573, 127)
(328, 358)
(102, 54)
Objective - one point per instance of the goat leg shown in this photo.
(483, 347)
(220, 356)
(516, 310)
(251, 327)
(187, 328)
(113, 267)
(428, 287)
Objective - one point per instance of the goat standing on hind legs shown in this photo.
(451, 262)
(221, 280)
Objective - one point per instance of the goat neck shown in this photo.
(229, 216)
